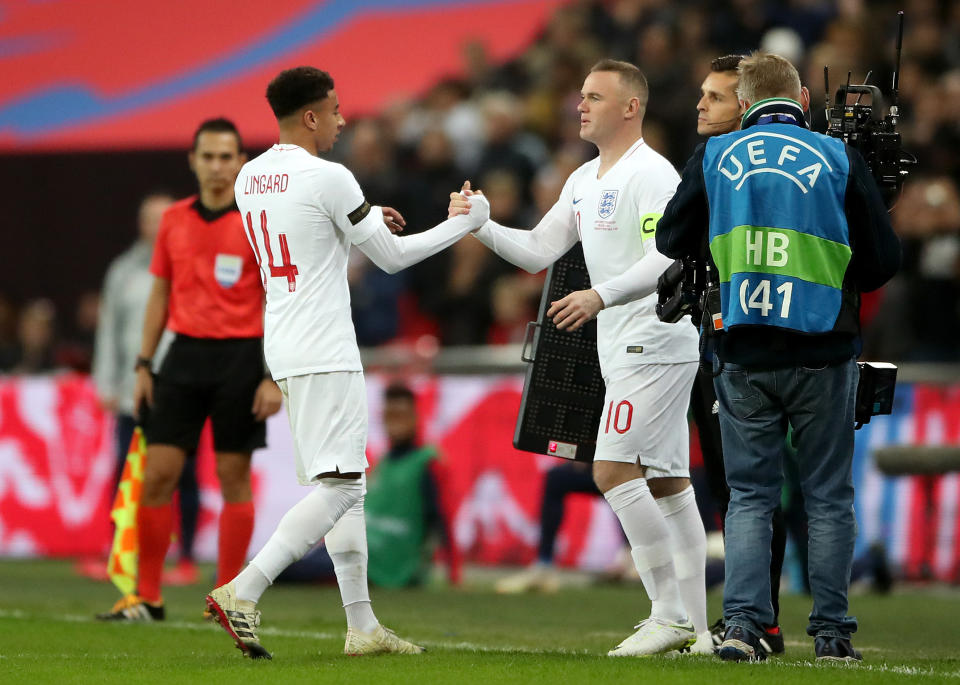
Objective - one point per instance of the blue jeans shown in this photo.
(755, 408)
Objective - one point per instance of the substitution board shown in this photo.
(563, 390)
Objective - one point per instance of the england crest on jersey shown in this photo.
(608, 203)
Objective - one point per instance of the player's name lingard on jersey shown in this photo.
(266, 183)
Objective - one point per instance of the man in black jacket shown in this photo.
(797, 229)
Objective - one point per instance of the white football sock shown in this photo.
(347, 545)
(250, 583)
(298, 531)
(650, 547)
(688, 544)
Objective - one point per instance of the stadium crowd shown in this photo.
(513, 130)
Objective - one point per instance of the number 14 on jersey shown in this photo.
(286, 269)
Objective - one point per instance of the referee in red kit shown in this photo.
(207, 290)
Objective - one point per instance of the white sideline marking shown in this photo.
(280, 632)
(474, 647)
(872, 668)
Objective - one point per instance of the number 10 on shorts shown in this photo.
(620, 417)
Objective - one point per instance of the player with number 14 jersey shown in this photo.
(301, 214)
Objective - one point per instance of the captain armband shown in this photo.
(359, 214)
(648, 225)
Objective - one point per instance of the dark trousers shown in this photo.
(757, 406)
(561, 480)
(703, 400)
(188, 488)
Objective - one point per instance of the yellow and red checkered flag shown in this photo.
(122, 565)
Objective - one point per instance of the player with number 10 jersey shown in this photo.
(641, 465)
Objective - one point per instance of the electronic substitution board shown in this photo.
(563, 390)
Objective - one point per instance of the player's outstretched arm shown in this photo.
(532, 250)
(392, 253)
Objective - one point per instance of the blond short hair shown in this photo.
(764, 75)
(632, 79)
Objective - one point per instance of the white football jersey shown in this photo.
(301, 214)
(615, 217)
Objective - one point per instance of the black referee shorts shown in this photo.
(204, 377)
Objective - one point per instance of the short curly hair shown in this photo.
(294, 88)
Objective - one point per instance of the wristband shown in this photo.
(144, 362)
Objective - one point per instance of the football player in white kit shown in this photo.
(302, 214)
(612, 205)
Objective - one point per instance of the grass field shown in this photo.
(48, 635)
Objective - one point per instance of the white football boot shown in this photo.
(655, 636)
(380, 641)
(239, 618)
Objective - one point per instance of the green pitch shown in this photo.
(47, 635)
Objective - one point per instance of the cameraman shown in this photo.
(719, 111)
(797, 229)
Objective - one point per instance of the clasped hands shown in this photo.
(568, 313)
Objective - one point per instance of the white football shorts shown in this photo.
(328, 419)
(645, 418)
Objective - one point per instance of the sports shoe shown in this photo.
(702, 645)
(835, 649)
(133, 609)
(536, 578)
(717, 631)
(239, 618)
(739, 645)
(772, 640)
(381, 641)
(655, 636)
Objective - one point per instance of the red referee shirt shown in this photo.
(215, 288)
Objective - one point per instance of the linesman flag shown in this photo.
(122, 565)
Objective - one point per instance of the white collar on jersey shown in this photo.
(629, 151)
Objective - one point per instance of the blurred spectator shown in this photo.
(35, 338)
(448, 109)
(403, 500)
(76, 351)
(459, 301)
(427, 184)
(919, 318)
(126, 289)
(739, 27)
(374, 300)
(461, 279)
(8, 334)
(514, 304)
(374, 294)
(508, 147)
(370, 158)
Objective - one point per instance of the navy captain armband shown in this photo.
(359, 214)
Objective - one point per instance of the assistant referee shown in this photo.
(207, 290)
